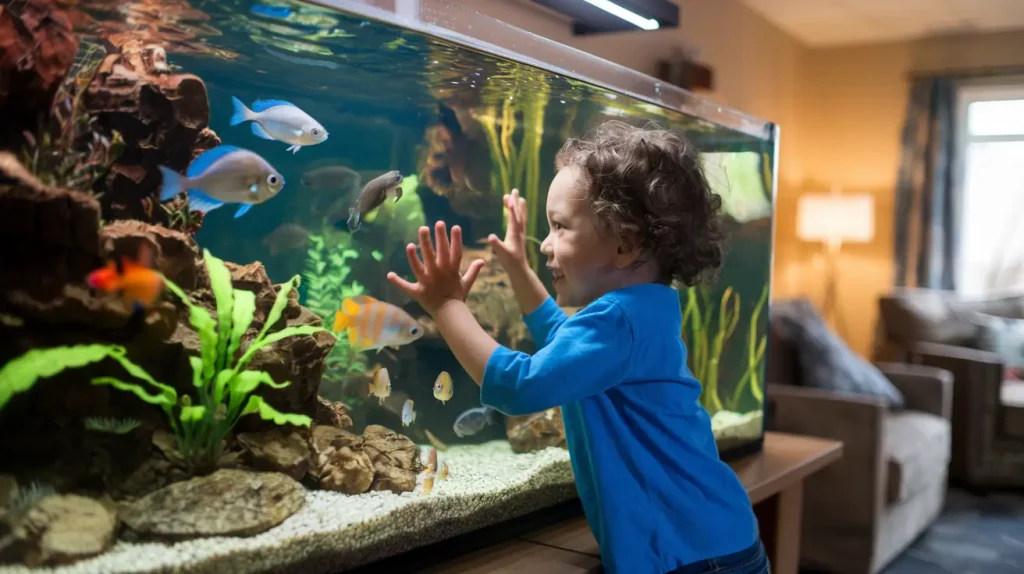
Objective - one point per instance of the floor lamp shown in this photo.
(834, 218)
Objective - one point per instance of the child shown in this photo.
(629, 211)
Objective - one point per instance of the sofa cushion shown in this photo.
(1011, 399)
(825, 361)
(1003, 336)
(917, 450)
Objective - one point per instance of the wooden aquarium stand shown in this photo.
(774, 479)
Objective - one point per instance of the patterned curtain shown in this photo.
(927, 188)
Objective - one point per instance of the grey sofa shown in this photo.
(890, 484)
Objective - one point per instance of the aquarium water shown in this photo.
(205, 369)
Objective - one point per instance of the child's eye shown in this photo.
(556, 225)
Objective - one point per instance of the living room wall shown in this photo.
(841, 111)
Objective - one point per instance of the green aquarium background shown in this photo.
(238, 368)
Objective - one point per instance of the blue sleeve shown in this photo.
(588, 354)
(544, 321)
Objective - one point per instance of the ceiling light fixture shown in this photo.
(631, 17)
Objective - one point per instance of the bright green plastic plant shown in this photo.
(223, 387)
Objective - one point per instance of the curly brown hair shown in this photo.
(648, 187)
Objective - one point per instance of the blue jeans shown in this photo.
(753, 560)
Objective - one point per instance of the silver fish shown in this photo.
(279, 120)
(408, 414)
(373, 195)
(473, 421)
(224, 174)
(332, 178)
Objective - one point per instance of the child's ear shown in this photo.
(626, 254)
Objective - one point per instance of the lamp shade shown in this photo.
(834, 217)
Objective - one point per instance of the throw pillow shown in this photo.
(826, 362)
(1003, 336)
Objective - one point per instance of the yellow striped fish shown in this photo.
(373, 324)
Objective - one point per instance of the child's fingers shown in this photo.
(496, 244)
(414, 261)
(443, 247)
(427, 249)
(469, 277)
(410, 289)
(455, 255)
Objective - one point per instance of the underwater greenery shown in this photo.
(223, 387)
(706, 343)
(70, 151)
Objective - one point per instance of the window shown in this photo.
(991, 145)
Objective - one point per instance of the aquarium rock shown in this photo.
(62, 529)
(162, 117)
(332, 413)
(534, 432)
(380, 459)
(228, 502)
(37, 49)
(277, 451)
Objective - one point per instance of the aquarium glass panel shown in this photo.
(206, 368)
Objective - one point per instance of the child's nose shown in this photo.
(545, 246)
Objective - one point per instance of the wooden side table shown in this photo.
(774, 480)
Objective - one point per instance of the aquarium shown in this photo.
(204, 367)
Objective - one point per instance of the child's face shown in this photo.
(584, 261)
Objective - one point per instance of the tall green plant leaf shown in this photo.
(205, 327)
(256, 404)
(158, 399)
(258, 344)
(21, 373)
(244, 310)
(279, 304)
(224, 293)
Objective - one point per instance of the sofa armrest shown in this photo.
(860, 474)
(924, 388)
(977, 381)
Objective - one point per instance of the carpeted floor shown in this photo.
(976, 534)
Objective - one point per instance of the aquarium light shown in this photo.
(631, 17)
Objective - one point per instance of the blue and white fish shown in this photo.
(408, 414)
(280, 120)
(473, 421)
(224, 174)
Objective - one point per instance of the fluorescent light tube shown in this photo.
(631, 17)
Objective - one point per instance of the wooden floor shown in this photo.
(774, 481)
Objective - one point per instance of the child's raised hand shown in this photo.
(437, 276)
(512, 250)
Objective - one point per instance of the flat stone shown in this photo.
(62, 529)
(229, 502)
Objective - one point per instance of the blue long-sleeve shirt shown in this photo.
(647, 470)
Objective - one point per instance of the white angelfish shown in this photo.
(280, 120)
(224, 174)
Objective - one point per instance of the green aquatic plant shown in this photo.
(517, 166)
(328, 281)
(755, 356)
(25, 498)
(223, 387)
(706, 346)
(69, 150)
(111, 425)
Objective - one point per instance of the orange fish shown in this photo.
(373, 324)
(138, 284)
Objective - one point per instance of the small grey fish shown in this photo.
(287, 236)
(331, 178)
(473, 421)
(373, 195)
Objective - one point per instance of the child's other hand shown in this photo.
(437, 276)
(511, 252)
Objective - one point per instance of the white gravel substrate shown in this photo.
(487, 483)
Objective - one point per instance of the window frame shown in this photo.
(968, 92)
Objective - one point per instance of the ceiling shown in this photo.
(837, 22)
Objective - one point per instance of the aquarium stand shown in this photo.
(588, 19)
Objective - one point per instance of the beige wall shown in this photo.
(841, 112)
